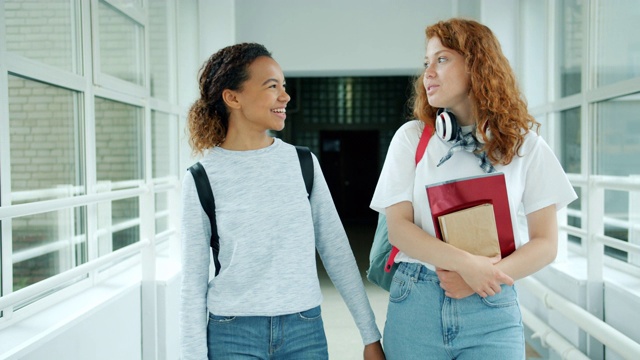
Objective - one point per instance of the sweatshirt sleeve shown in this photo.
(336, 254)
(195, 234)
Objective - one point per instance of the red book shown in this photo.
(450, 196)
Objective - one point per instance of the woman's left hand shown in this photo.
(374, 351)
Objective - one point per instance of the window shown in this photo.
(159, 50)
(570, 18)
(85, 141)
(163, 135)
(571, 140)
(44, 31)
(617, 136)
(119, 141)
(121, 45)
(46, 147)
(534, 50)
(618, 56)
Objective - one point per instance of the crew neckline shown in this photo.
(274, 145)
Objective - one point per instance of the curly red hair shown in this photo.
(498, 103)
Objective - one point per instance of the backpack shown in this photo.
(208, 203)
(382, 265)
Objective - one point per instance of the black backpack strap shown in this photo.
(306, 164)
(208, 204)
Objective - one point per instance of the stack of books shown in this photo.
(473, 214)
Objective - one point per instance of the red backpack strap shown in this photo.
(422, 147)
(424, 141)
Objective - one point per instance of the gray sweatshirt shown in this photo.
(269, 231)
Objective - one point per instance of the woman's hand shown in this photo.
(374, 351)
(453, 285)
(480, 275)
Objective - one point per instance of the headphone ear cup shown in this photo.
(446, 125)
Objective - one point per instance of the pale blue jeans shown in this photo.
(422, 323)
(294, 336)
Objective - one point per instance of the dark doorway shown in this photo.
(349, 161)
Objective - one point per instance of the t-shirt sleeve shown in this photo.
(338, 259)
(395, 183)
(195, 273)
(546, 182)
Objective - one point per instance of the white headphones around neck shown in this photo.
(446, 125)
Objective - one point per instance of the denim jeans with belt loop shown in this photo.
(422, 323)
(293, 336)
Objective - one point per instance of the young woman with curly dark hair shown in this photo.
(446, 303)
(265, 301)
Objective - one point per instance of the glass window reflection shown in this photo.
(569, 48)
(618, 46)
(44, 132)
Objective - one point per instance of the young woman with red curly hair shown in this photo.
(446, 303)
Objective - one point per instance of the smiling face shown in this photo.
(262, 101)
(446, 80)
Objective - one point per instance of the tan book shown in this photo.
(473, 230)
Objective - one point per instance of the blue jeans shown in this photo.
(294, 336)
(422, 323)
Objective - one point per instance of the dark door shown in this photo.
(349, 161)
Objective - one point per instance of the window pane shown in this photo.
(43, 31)
(618, 136)
(162, 217)
(118, 224)
(570, 134)
(121, 45)
(159, 49)
(163, 143)
(45, 137)
(616, 215)
(118, 141)
(533, 47)
(47, 244)
(575, 220)
(124, 211)
(618, 55)
(569, 47)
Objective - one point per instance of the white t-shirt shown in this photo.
(535, 179)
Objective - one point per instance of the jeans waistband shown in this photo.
(417, 271)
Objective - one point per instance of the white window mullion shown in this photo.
(88, 115)
(6, 263)
(41, 72)
(149, 295)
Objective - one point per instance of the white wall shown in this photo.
(217, 26)
(111, 331)
(336, 37)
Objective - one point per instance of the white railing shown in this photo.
(53, 282)
(66, 240)
(550, 338)
(605, 333)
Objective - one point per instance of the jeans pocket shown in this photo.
(400, 287)
(221, 319)
(311, 314)
(505, 298)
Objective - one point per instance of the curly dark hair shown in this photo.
(208, 118)
(498, 103)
